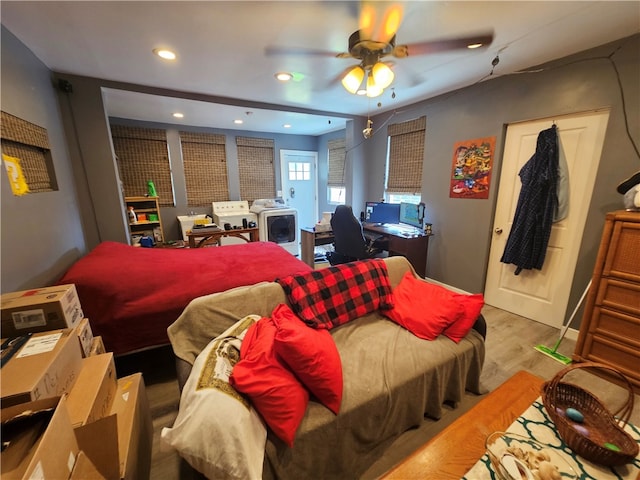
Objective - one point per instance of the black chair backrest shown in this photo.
(347, 231)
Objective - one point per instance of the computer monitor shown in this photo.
(381, 212)
(412, 214)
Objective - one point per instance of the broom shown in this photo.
(552, 352)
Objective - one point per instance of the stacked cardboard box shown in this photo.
(40, 310)
(64, 412)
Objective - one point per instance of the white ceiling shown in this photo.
(221, 52)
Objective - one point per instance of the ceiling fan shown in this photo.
(374, 41)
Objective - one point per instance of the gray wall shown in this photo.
(42, 233)
(458, 253)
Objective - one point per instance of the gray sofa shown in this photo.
(392, 380)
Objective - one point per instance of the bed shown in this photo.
(131, 295)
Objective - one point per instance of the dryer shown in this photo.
(278, 223)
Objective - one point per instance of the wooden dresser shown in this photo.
(610, 329)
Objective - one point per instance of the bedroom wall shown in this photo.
(41, 234)
(458, 253)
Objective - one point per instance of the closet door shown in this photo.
(542, 295)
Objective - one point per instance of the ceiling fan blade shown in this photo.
(272, 51)
(436, 46)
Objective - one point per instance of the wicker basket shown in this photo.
(601, 424)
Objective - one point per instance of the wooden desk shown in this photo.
(452, 453)
(414, 248)
(212, 237)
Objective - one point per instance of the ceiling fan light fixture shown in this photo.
(353, 79)
(373, 90)
(392, 21)
(382, 75)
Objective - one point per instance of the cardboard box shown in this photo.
(46, 366)
(97, 346)
(85, 336)
(40, 309)
(92, 394)
(135, 430)
(99, 441)
(47, 449)
(84, 469)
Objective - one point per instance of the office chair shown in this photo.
(350, 243)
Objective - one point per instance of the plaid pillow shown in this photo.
(332, 296)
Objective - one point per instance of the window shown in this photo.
(402, 197)
(142, 155)
(405, 156)
(256, 170)
(335, 180)
(299, 171)
(336, 195)
(27, 157)
(205, 168)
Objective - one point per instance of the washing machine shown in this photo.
(278, 223)
(236, 213)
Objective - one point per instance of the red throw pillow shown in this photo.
(311, 354)
(472, 304)
(423, 308)
(332, 296)
(274, 391)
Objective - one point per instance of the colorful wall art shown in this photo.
(471, 168)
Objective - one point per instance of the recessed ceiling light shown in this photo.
(286, 125)
(283, 76)
(164, 53)
(238, 122)
(474, 45)
(178, 115)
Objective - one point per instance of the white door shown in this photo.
(542, 295)
(299, 184)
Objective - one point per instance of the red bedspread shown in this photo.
(131, 295)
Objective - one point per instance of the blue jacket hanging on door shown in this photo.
(527, 243)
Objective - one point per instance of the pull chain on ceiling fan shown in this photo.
(370, 45)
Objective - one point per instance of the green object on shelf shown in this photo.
(153, 217)
(151, 189)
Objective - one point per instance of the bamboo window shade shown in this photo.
(142, 155)
(205, 168)
(337, 156)
(256, 169)
(29, 143)
(406, 156)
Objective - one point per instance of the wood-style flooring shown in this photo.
(509, 348)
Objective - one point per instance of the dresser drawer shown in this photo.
(623, 257)
(619, 295)
(622, 357)
(610, 323)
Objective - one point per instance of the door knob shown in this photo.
(498, 230)
(292, 192)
